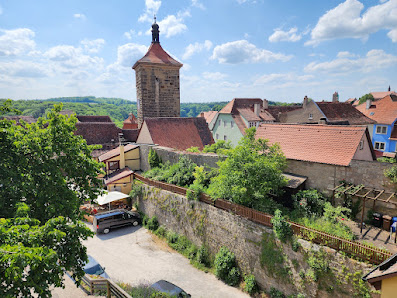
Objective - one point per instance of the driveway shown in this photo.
(132, 255)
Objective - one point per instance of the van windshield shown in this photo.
(96, 269)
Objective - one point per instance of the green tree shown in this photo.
(365, 97)
(251, 173)
(154, 159)
(46, 174)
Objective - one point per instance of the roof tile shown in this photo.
(116, 152)
(157, 55)
(342, 111)
(117, 175)
(383, 111)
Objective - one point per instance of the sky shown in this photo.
(279, 50)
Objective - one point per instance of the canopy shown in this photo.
(111, 196)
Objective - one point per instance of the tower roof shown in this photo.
(156, 54)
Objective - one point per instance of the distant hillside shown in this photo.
(117, 108)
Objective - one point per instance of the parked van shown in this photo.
(104, 222)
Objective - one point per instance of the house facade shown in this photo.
(384, 114)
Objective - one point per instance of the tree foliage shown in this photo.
(46, 173)
(365, 97)
(154, 159)
(251, 172)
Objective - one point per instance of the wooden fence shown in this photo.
(355, 249)
(102, 285)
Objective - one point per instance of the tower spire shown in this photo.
(155, 32)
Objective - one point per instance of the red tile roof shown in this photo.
(334, 145)
(116, 152)
(380, 95)
(208, 116)
(28, 119)
(342, 111)
(94, 118)
(231, 107)
(248, 114)
(383, 111)
(157, 55)
(130, 135)
(276, 110)
(98, 132)
(130, 122)
(117, 175)
(179, 133)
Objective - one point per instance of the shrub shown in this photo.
(172, 237)
(203, 257)
(250, 285)
(192, 252)
(220, 147)
(309, 202)
(161, 232)
(153, 224)
(145, 220)
(225, 267)
(180, 173)
(193, 149)
(181, 244)
(274, 293)
(295, 245)
(136, 190)
(154, 159)
(333, 214)
(281, 228)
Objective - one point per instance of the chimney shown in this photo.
(335, 97)
(368, 105)
(202, 114)
(257, 108)
(265, 104)
(305, 102)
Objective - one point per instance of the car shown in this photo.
(94, 268)
(164, 286)
(104, 222)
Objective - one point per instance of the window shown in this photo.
(231, 124)
(225, 138)
(224, 123)
(217, 136)
(361, 146)
(114, 165)
(252, 124)
(310, 116)
(219, 122)
(381, 129)
(380, 145)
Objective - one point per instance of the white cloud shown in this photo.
(129, 34)
(152, 7)
(93, 46)
(129, 53)
(281, 77)
(70, 57)
(375, 59)
(24, 69)
(198, 4)
(17, 41)
(214, 76)
(280, 35)
(241, 51)
(191, 49)
(345, 54)
(345, 21)
(172, 25)
(392, 35)
(79, 16)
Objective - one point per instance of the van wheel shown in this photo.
(135, 223)
(105, 231)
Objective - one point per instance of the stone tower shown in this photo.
(157, 82)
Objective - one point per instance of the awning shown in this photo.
(294, 181)
(109, 197)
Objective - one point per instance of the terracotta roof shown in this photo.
(116, 152)
(130, 122)
(385, 270)
(342, 111)
(28, 119)
(334, 145)
(179, 133)
(117, 175)
(98, 132)
(94, 118)
(383, 111)
(130, 135)
(157, 55)
(266, 116)
(351, 100)
(276, 110)
(208, 116)
(248, 114)
(235, 103)
(240, 123)
(380, 95)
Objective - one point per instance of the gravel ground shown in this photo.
(133, 255)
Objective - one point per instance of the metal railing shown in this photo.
(362, 251)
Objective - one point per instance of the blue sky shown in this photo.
(278, 50)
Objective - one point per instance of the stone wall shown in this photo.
(158, 93)
(206, 225)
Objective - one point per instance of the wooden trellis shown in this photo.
(365, 193)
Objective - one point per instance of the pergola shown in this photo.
(365, 193)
